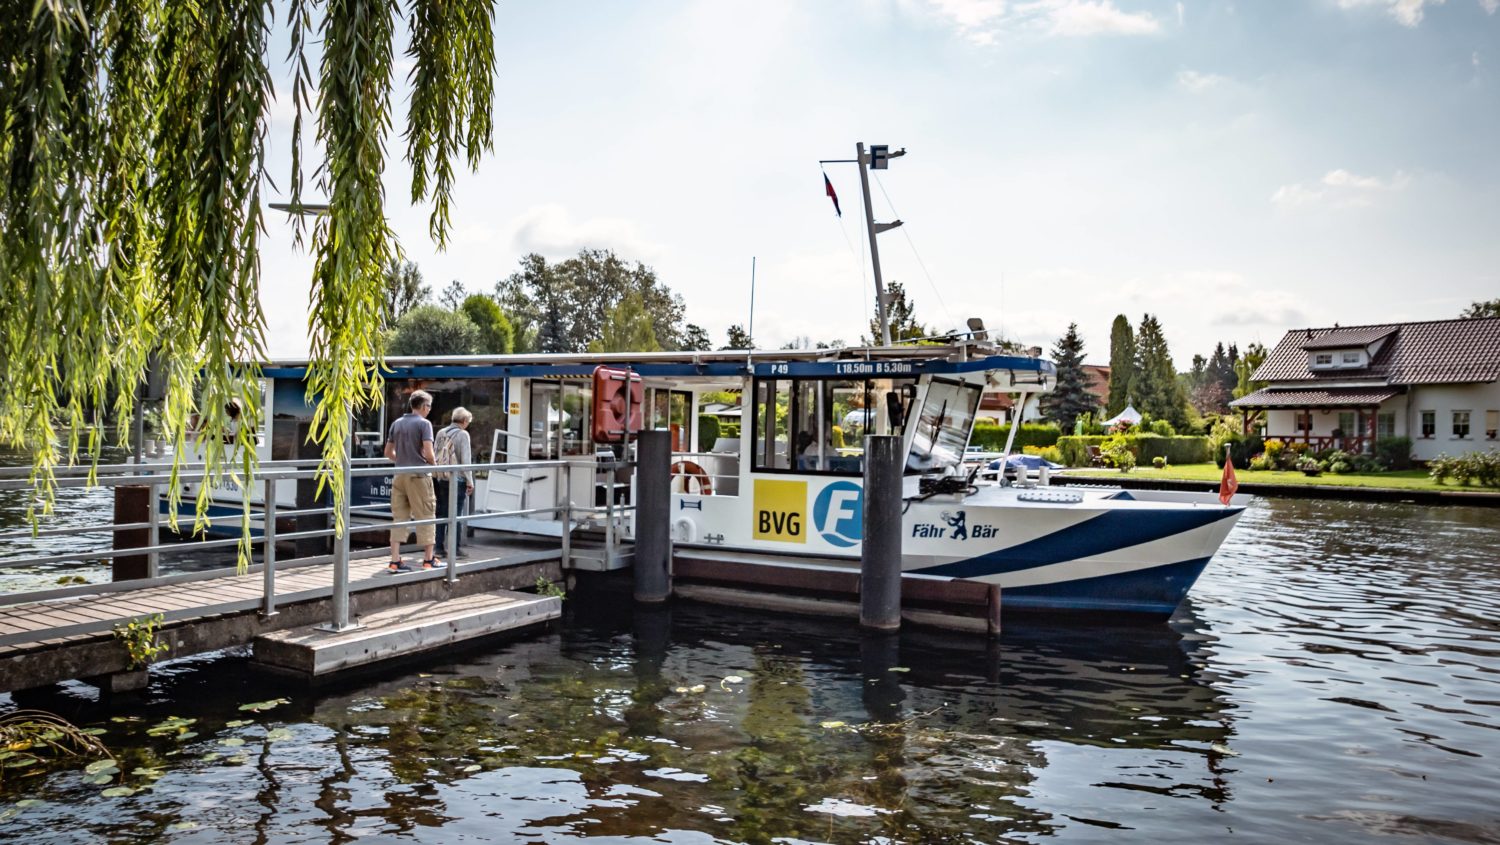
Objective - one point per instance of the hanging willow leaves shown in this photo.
(132, 155)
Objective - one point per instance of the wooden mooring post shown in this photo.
(653, 513)
(880, 555)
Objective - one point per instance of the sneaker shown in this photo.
(398, 566)
(463, 554)
(433, 564)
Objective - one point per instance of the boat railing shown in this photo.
(155, 477)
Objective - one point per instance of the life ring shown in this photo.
(686, 471)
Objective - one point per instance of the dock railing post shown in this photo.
(153, 516)
(341, 550)
(452, 550)
(567, 520)
(653, 512)
(880, 554)
(268, 549)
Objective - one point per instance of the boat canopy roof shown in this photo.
(857, 362)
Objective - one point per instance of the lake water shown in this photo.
(1334, 677)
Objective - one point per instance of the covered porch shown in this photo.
(1350, 419)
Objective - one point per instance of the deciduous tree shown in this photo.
(403, 289)
(496, 335)
(131, 164)
(1482, 309)
(565, 304)
(431, 330)
(627, 328)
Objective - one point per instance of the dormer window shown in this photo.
(1323, 359)
(1351, 357)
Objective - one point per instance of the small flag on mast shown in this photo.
(828, 188)
(1229, 483)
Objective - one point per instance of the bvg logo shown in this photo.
(780, 510)
(839, 513)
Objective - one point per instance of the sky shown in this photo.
(1238, 169)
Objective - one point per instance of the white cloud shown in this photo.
(983, 21)
(549, 231)
(1197, 82)
(1339, 188)
(1410, 12)
(1081, 17)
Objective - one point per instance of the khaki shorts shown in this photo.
(412, 498)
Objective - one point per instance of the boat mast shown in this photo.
(878, 158)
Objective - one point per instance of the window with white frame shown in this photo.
(1351, 357)
(1461, 425)
(1429, 423)
(1385, 425)
(1323, 359)
(1491, 424)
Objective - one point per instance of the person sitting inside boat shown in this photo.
(808, 451)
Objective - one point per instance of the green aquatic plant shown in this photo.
(140, 640)
(545, 587)
(29, 737)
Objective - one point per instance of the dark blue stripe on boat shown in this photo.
(1155, 591)
(1106, 532)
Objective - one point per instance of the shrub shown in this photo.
(1261, 463)
(1483, 467)
(1309, 464)
(708, 431)
(1164, 428)
(1340, 467)
(1394, 452)
(1117, 453)
(1046, 453)
(1242, 448)
(1159, 462)
(1176, 450)
(992, 437)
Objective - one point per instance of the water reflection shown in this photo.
(1336, 677)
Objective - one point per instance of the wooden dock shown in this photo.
(50, 641)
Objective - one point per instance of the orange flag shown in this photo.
(1228, 484)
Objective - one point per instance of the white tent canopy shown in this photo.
(1129, 415)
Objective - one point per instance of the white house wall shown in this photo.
(1444, 400)
(1407, 409)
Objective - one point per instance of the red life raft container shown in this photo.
(611, 388)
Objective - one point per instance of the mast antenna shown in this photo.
(878, 158)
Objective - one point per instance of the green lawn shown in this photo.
(1413, 479)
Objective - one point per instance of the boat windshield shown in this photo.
(942, 430)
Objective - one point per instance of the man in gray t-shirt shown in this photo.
(410, 445)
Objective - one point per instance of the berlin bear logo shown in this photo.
(956, 522)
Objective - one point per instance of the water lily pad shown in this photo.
(186, 735)
(210, 757)
(680, 690)
(232, 742)
(176, 826)
(95, 732)
(899, 669)
(118, 792)
(102, 767)
(146, 772)
(697, 688)
(98, 780)
(831, 725)
(30, 802)
(237, 759)
(468, 770)
(239, 723)
(9, 813)
(1220, 748)
(278, 734)
(21, 762)
(260, 706)
(734, 679)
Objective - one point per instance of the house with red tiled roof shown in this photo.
(1436, 382)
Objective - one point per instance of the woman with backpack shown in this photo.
(453, 448)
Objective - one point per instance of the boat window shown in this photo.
(818, 425)
(943, 427)
(560, 420)
(671, 411)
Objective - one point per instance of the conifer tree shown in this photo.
(1072, 398)
(1156, 388)
(1121, 364)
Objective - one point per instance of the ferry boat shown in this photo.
(773, 472)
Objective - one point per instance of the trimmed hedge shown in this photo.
(1176, 450)
(708, 431)
(991, 437)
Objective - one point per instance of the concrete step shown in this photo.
(402, 631)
